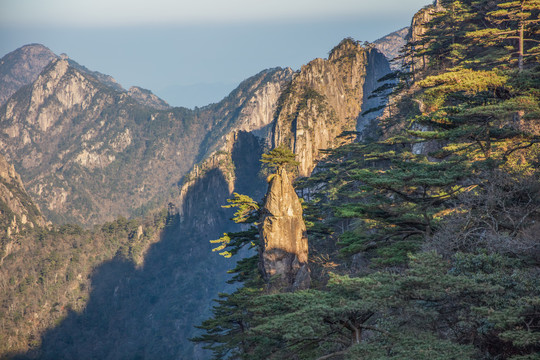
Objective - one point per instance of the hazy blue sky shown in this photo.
(192, 53)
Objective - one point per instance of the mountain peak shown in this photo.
(346, 47)
(146, 97)
(22, 67)
(391, 44)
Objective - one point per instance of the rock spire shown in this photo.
(284, 243)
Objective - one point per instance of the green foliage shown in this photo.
(247, 208)
(280, 157)
(436, 223)
(233, 242)
(47, 275)
(398, 196)
(473, 296)
(247, 213)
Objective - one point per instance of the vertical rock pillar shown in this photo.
(284, 244)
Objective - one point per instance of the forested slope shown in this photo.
(423, 244)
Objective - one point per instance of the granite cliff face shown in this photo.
(391, 44)
(89, 152)
(21, 67)
(283, 236)
(250, 108)
(324, 100)
(17, 211)
(231, 152)
(418, 28)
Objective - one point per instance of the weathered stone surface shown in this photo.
(284, 243)
(17, 205)
(88, 151)
(146, 97)
(324, 99)
(17, 211)
(418, 28)
(21, 67)
(391, 44)
(240, 134)
(250, 107)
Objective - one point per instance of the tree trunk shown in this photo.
(520, 58)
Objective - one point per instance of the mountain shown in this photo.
(418, 224)
(391, 44)
(18, 212)
(81, 146)
(89, 152)
(102, 78)
(21, 67)
(325, 99)
(423, 242)
(145, 97)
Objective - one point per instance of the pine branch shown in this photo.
(337, 353)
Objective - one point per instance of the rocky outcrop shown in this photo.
(250, 108)
(17, 211)
(323, 100)
(373, 106)
(284, 244)
(421, 18)
(418, 28)
(16, 206)
(21, 67)
(391, 44)
(239, 137)
(104, 79)
(145, 97)
(89, 152)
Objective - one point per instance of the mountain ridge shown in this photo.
(36, 122)
(98, 133)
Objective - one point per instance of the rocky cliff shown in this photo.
(89, 151)
(418, 28)
(13, 196)
(283, 236)
(21, 67)
(250, 108)
(391, 44)
(145, 97)
(18, 213)
(239, 138)
(323, 100)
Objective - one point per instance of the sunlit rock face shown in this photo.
(391, 44)
(22, 67)
(419, 26)
(88, 150)
(325, 99)
(17, 211)
(284, 243)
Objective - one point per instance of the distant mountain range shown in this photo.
(89, 151)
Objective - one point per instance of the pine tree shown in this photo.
(394, 198)
(517, 21)
(426, 185)
(279, 157)
(443, 43)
